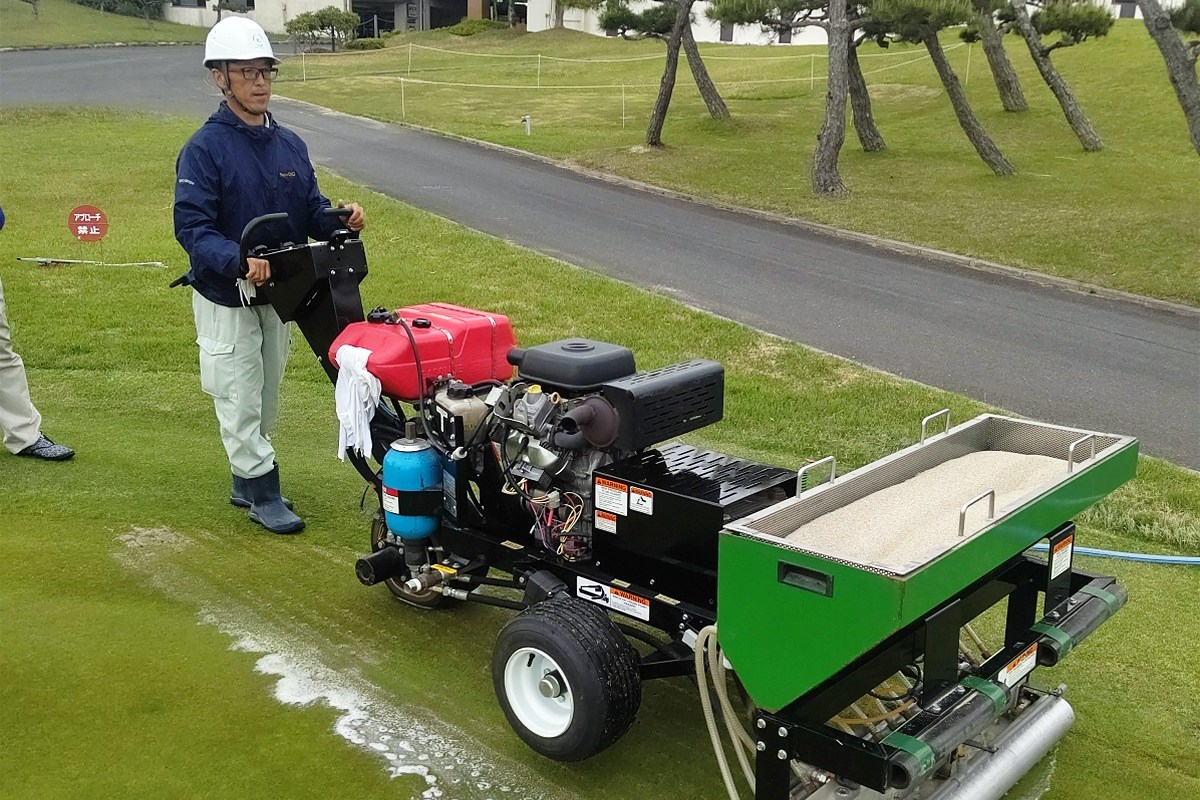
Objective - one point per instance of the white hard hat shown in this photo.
(237, 39)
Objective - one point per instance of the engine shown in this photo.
(577, 405)
(574, 406)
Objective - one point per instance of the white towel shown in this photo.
(356, 396)
(246, 290)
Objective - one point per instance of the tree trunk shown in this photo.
(860, 104)
(1078, 121)
(1180, 61)
(667, 85)
(978, 137)
(559, 13)
(1011, 96)
(712, 98)
(826, 179)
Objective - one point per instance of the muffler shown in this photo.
(380, 566)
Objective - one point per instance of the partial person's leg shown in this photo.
(19, 420)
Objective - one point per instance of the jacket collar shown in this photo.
(224, 115)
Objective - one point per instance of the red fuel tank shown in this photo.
(452, 341)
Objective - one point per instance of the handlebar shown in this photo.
(257, 222)
(251, 227)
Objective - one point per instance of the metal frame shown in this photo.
(798, 731)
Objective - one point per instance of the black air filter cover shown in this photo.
(574, 365)
(655, 406)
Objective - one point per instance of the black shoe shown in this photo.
(47, 450)
(266, 505)
(240, 495)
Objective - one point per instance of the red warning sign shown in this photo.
(87, 223)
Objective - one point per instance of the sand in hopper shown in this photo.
(905, 525)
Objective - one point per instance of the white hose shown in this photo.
(717, 667)
(706, 633)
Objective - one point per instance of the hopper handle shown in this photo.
(931, 418)
(962, 512)
(1071, 451)
(832, 472)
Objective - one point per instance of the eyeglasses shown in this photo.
(268, 73)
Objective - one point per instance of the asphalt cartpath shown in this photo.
(1048, 353)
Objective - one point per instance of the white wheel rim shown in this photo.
(547, 717)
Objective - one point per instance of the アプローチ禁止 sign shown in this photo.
(87, 223)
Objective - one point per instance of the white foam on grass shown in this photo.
(408, 741)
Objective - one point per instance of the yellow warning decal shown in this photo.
(611, 496)
(512, 545)
(671, 601)
(630, 597)
(606, 521)
(445, 570)
(1019, 667)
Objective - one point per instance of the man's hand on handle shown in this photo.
(358, 217)
(258, 271)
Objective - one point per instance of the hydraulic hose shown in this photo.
(734, 728)
(1149, 558)
(706, 634)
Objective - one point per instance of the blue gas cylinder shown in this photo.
(411, 467)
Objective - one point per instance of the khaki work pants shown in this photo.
(242, 354)
(19, 420)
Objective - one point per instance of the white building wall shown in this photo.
(271, 14)
(541, 17)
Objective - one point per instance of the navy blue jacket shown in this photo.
(226, 175)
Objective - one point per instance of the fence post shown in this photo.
(303, 69)
(403, 110)
(812, 72)
(967, 77)
(539, 79)
(622, 106)
(410, 58)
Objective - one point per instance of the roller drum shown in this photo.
(1023, 744)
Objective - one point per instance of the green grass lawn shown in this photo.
(117, 675)
(1127, 218)
(63, 23)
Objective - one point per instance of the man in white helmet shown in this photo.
(240, 165)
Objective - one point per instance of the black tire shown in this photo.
(428, 599)
(566, 644)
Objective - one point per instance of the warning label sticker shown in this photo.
(641, 500)
(606, 521)
(1060, 557)
(618, 600)
(391, 501)
(612, 496)
(1019, 667)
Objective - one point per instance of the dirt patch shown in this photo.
(158, 538)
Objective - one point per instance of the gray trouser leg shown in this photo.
(242, 355)
(19, 420)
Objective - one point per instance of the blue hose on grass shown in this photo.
(1187, 561)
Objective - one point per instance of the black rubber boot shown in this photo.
(266, 505)
(240, 496)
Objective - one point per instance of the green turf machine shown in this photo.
(842, 611)
(878, 631)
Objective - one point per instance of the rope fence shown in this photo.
(533, 62)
